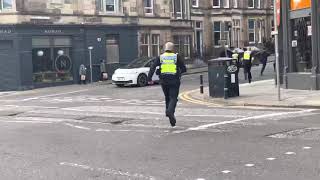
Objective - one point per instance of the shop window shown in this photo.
(51, 59)
(6, 4)
(302, 44)
(6, 45)
(183, 45)
(113, 52)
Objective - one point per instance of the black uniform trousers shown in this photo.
(247, 69)
(171, 92)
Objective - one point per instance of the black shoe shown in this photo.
(172, 120)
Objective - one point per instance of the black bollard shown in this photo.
(201, 84)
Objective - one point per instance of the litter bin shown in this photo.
(223, 77)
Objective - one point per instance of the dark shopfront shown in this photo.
(42, 56)
(299, 44)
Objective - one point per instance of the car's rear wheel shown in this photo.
(120, 85)
(142, 80)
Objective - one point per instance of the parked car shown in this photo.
(135, 73)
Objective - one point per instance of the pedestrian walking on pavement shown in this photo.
(263, 59)
(82, 74)
(103, 71)
(171, 67)
(247, 64)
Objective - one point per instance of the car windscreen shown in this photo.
(138, 63)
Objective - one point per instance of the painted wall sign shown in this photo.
(300, 4)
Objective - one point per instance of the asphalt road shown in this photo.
(104, 132)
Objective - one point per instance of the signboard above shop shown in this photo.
(300, 4)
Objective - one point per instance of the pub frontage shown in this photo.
(299, 47)
(33, 56)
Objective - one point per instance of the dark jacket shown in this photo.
(168, 78)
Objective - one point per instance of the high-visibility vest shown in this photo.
(168, 63)
(247, 55)
(235, 56)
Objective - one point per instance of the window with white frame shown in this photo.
(177, 8)
(148, 6)
(227, 31)
(251, 3)
(235, 3)
(144, 45)
(251, 30)
(110, 6)
(183, 45)
(155, 42)
(216, 3)
(149, 45)
(258, 4)
(217, 32)
(195, 3)
(6, 4)
(226, 3)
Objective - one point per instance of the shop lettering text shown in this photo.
(52, 31)
(5, 31)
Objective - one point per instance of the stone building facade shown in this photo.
(237, 23)
(43, 42)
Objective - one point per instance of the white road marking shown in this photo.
(41, 107)
(226, 172)
(201, 179)
(206, 126)
(249, 165)
(290, 153)
(307, 147)
(271, 159)
(108, 171)
(30, 122)
(51, 95)
(212, 115)
(79, 127)
(122, 130)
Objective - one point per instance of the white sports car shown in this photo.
(134, 73)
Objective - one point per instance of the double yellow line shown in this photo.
(185, 96)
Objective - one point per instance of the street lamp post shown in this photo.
(276, 40)
(90, 58)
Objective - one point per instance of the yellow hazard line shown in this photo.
(186, 96)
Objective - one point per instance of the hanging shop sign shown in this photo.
(300, 4)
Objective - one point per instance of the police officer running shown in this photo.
(247, 63)
(171, 67)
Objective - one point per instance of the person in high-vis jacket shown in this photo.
(247, 63)
(171, 66)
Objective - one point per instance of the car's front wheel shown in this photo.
(142, 80)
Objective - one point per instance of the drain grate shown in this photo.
(312, 133)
